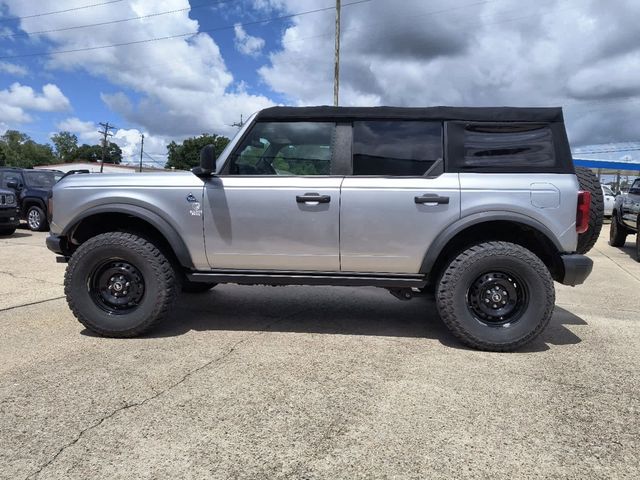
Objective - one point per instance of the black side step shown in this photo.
(349, 279)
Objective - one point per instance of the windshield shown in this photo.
(39, 179)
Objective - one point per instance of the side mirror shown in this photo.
(207, 161)
(12, 184)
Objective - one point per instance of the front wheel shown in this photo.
(120, 285)
(496, 296)
(7, 231)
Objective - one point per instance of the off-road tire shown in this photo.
(37, 219)
(617, 233)
(161, 284)
(455, 284)
(196, 287)
(5, 232)
(589, 182)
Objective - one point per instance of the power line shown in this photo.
(8, 19)
(111, 22)
(217, 29)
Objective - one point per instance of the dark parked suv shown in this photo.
(625, 219)
(32, 189)
(9, 214)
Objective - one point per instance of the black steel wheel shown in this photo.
(116, 286)
(120, 285)
(496, 296)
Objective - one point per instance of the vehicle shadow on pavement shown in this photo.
(331, 311)
(630, 249)
(17, 235)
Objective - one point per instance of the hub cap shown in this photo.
(117, 287)
(497, 298)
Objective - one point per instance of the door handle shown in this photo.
(432, 198)
(313, 198)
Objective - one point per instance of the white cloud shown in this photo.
(87, 132)
(13, 69)
(17, 100)
(580, 55)
(247, 44)
(182, 85)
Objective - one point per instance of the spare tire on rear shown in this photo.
(589, 182)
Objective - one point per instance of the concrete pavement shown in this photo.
(315, 382)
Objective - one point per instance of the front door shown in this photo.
(276, 204)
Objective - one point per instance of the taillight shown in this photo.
(582, 215)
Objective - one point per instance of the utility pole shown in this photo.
(239, 125)
(336, 69)
(105, 133)
(141, 150)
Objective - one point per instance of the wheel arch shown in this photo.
(131, 218)
(493, 226)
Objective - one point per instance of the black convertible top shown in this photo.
(474, 114)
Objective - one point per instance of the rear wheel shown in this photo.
(120, 285)
(617, 233)
(36, 219)
(496, 296)
(589, 182)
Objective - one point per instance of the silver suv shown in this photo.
(481, 206)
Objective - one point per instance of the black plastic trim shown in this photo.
(350, 279)
(576, 269)
(452, 230)
(155, 220)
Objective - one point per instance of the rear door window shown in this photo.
(396, 148)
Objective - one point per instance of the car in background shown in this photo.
(626, 218)
(609, 199)
(9, 213)
(32, 189)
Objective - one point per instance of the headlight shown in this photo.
(10, 199)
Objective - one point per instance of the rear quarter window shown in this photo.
(508, 147)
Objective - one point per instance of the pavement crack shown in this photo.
(128, 406)
(31, 303)
(19, 277)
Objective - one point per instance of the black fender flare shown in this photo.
(165, 228)
(441, 241)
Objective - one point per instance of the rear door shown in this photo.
(276, 204)
(398, 198)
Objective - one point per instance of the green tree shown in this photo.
(17, 149)
(66, 144)
(186, 155)
(93, 153)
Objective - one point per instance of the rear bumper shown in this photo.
(576, 269)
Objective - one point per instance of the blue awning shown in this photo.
(608, 164)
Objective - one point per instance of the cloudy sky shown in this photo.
(176, 68)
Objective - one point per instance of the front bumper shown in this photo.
(57, 244)
(9, 217)
(576, 269)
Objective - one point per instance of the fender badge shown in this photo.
(191, 198)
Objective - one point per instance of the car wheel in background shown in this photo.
(617, 232)
(36, 219)
(7, 231)
(589, 182)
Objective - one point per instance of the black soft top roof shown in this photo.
(474, 114)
